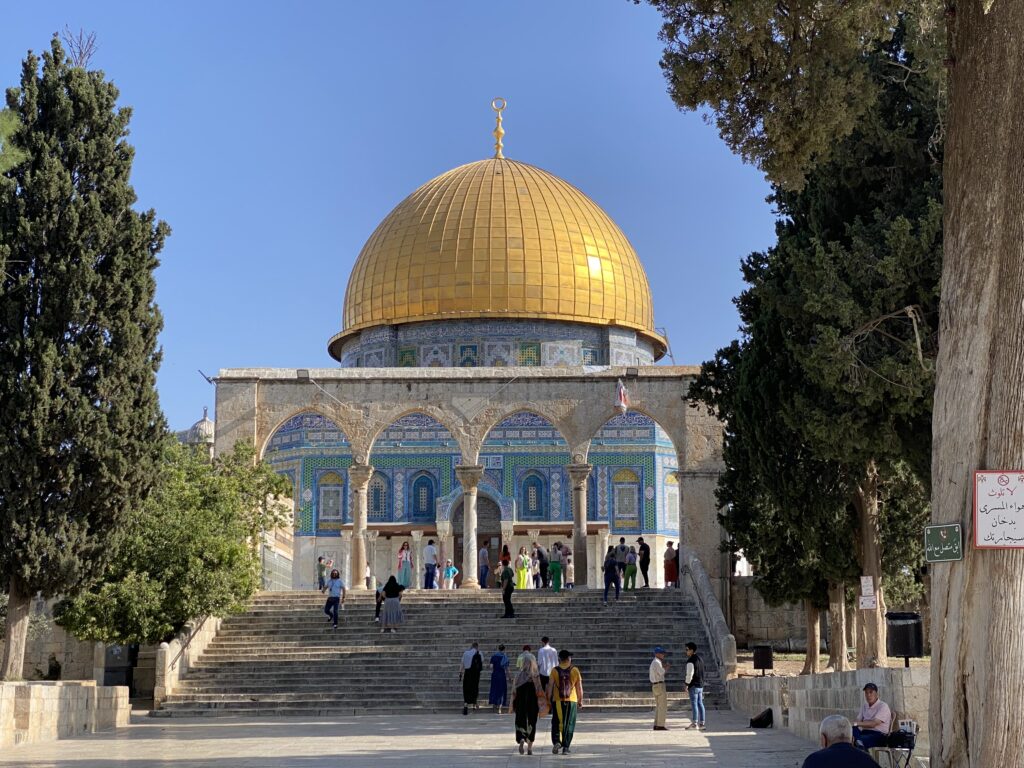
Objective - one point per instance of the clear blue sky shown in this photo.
(273, 137)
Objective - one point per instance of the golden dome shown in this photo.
(497, 239)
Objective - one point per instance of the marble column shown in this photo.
(417, 559)
(469, 476)
(444, 544)
(344, 561)
(359, 480)
(371, 549)
(578, 474)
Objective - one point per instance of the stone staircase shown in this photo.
(282, 658)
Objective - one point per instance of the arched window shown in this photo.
(534, 502)
(377, 503)
(422, 498)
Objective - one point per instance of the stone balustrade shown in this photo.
(34, 712)
(172, 663)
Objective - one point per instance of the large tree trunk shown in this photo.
(977, 605)
(837, 661)
(813, 639)
(19, 608)
(870, 622)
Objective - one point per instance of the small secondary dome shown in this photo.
(202, 432)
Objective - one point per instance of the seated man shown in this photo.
(837, 747)
(871, 728)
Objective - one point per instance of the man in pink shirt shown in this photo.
(871, 728)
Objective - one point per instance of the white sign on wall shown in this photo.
(869, 602)
(867, 586)
(999, 509)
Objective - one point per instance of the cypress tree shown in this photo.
(79, 414)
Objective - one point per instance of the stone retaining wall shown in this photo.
(754, 621)
(800, 703)
(171, 662)
(46, 711)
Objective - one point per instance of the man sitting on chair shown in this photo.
(871, 728)
(837, 750)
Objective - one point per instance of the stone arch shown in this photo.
(484, 421)
(390, 418)
(265, 440)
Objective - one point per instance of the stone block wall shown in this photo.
(800, 703)
(75, 656)
(754, 621)
(36, 712)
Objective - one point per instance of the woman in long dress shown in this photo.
(498, 695)
(404, 569)
(522, 568)
(526, 691)
(671, 566)
(391, 615)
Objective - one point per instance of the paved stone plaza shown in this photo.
(484, 739)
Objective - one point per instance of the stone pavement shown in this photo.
(483, 739)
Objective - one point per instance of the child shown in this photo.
(321, 574)
(570, 573)
(450, 572)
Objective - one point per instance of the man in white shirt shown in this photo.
(658, 669)
(430, 558)
(547, 659)
(871, 728)
(484, 565)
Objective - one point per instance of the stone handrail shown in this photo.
(723, 643)
(175, 658)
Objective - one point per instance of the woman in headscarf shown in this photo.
(526, 692)
(522, 568)
(671, 566)
(498, 695)
(404, 568)
(391, 616)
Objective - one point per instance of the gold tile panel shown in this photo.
(497, 238)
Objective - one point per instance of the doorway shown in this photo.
(488, 529)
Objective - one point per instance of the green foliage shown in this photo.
(786, 82)
(187, 552)
(10, 153)
(834, 370)
(79, 415)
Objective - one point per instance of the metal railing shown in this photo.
(195, 631)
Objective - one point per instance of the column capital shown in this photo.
(371, 535)
(578, 473)
(359, 475)
(469, 475)
(444, 528)
(417, 536)
(534, 534)
(345, 535)
(507, 528)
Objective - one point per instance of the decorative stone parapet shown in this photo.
(695, 579)
(31, 713)
(800, 703)
(172, 663)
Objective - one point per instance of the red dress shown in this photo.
(671, 567)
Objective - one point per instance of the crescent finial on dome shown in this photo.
(498, 105)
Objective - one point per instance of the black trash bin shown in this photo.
(905, 635)
(763, 658)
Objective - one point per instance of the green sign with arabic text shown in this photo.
(943, 543)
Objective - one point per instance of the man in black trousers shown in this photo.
(645, 560)
(508, 583)
(542, 563)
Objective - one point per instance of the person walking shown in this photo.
(542, 561)
(404, 566)
(522, 568)
(430, 558)
(391, 617)
(507, 580)
(450, 572)
(671, 566)
(644, 552)
(527, 693)
(482, 559)
(469, 673)
(657, 673)
(611, 574)
(335, 597)
(321, 574)
(378, 600)
(565, 691)
(555, 566)
(547, 659)
(695, 687)
(497, 697)
(621, 556)
(630, 583)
